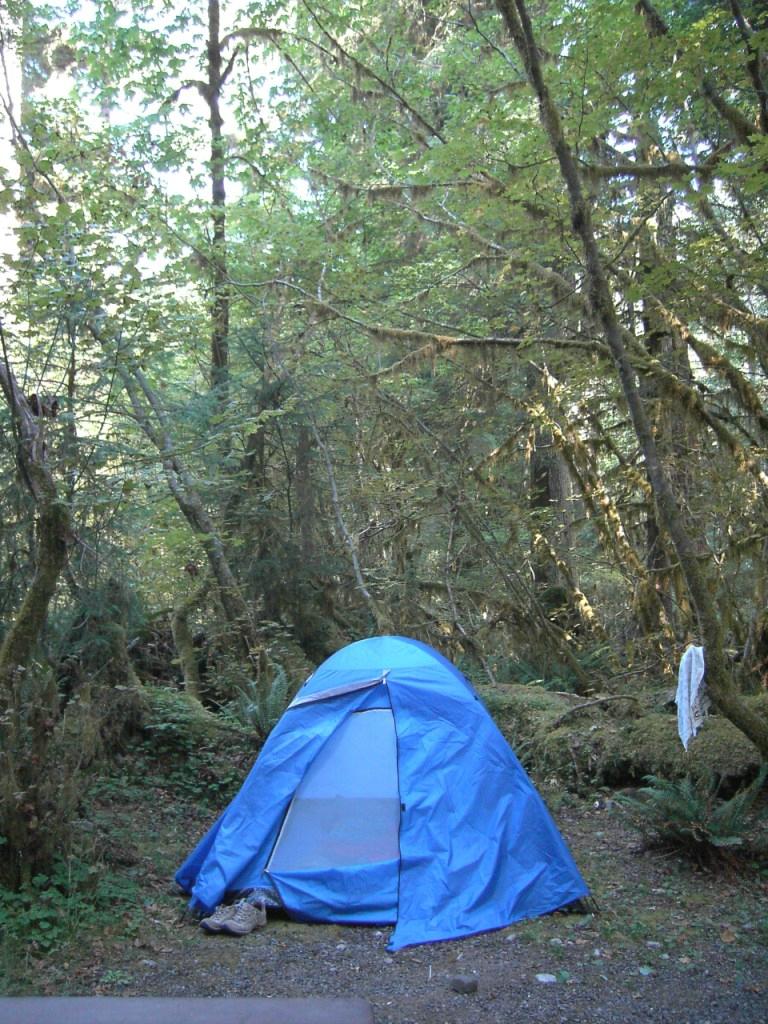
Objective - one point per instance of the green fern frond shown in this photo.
(690, 819)
(728, 817)
(259, 710)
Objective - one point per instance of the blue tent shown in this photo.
(386, 795)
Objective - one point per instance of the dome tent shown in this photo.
(387, 795)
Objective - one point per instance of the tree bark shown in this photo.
(54, 530)
(697, 577)
(184, 641)
(220, 290)
(34, 806)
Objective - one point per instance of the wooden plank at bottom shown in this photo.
(169, 1010)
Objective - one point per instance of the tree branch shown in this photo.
(753, 65)
(634, 170)
(742, 127)
(698, 575)
(370, 73)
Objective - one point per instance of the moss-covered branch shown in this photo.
(697, 574)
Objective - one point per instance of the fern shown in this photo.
(728, 817)
(690, 819)
(260, 711)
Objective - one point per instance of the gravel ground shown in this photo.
(590, 983)
(669, 946)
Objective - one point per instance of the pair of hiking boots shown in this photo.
(236, 918)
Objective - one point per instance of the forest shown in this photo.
(326, 320)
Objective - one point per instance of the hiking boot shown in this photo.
(215, 921)
(245, 918)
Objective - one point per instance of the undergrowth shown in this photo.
(51, 910)
(254, 708)
(184, 750)
(690, 819)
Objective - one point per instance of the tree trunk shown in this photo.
(672, 432)
(305, 495)
(53, 534)
(184, 641)
(377, 609)
(549, 490)
(37, 795)
(220, 291)
(54, 531)
(719, 679)
(153, 420)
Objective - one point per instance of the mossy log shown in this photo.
(610, 744)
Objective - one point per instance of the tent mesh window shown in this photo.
(346, 810)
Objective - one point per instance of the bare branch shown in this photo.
(228, 69)
(193, 83)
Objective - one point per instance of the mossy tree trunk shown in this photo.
(54, 530)
(696, 573)
(186, 651)
(35, 794)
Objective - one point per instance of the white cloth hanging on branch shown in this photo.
(691, 698)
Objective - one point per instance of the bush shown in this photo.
(183, 747)
(177, 723)
(690, 819)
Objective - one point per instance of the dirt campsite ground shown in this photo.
(669, 945)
